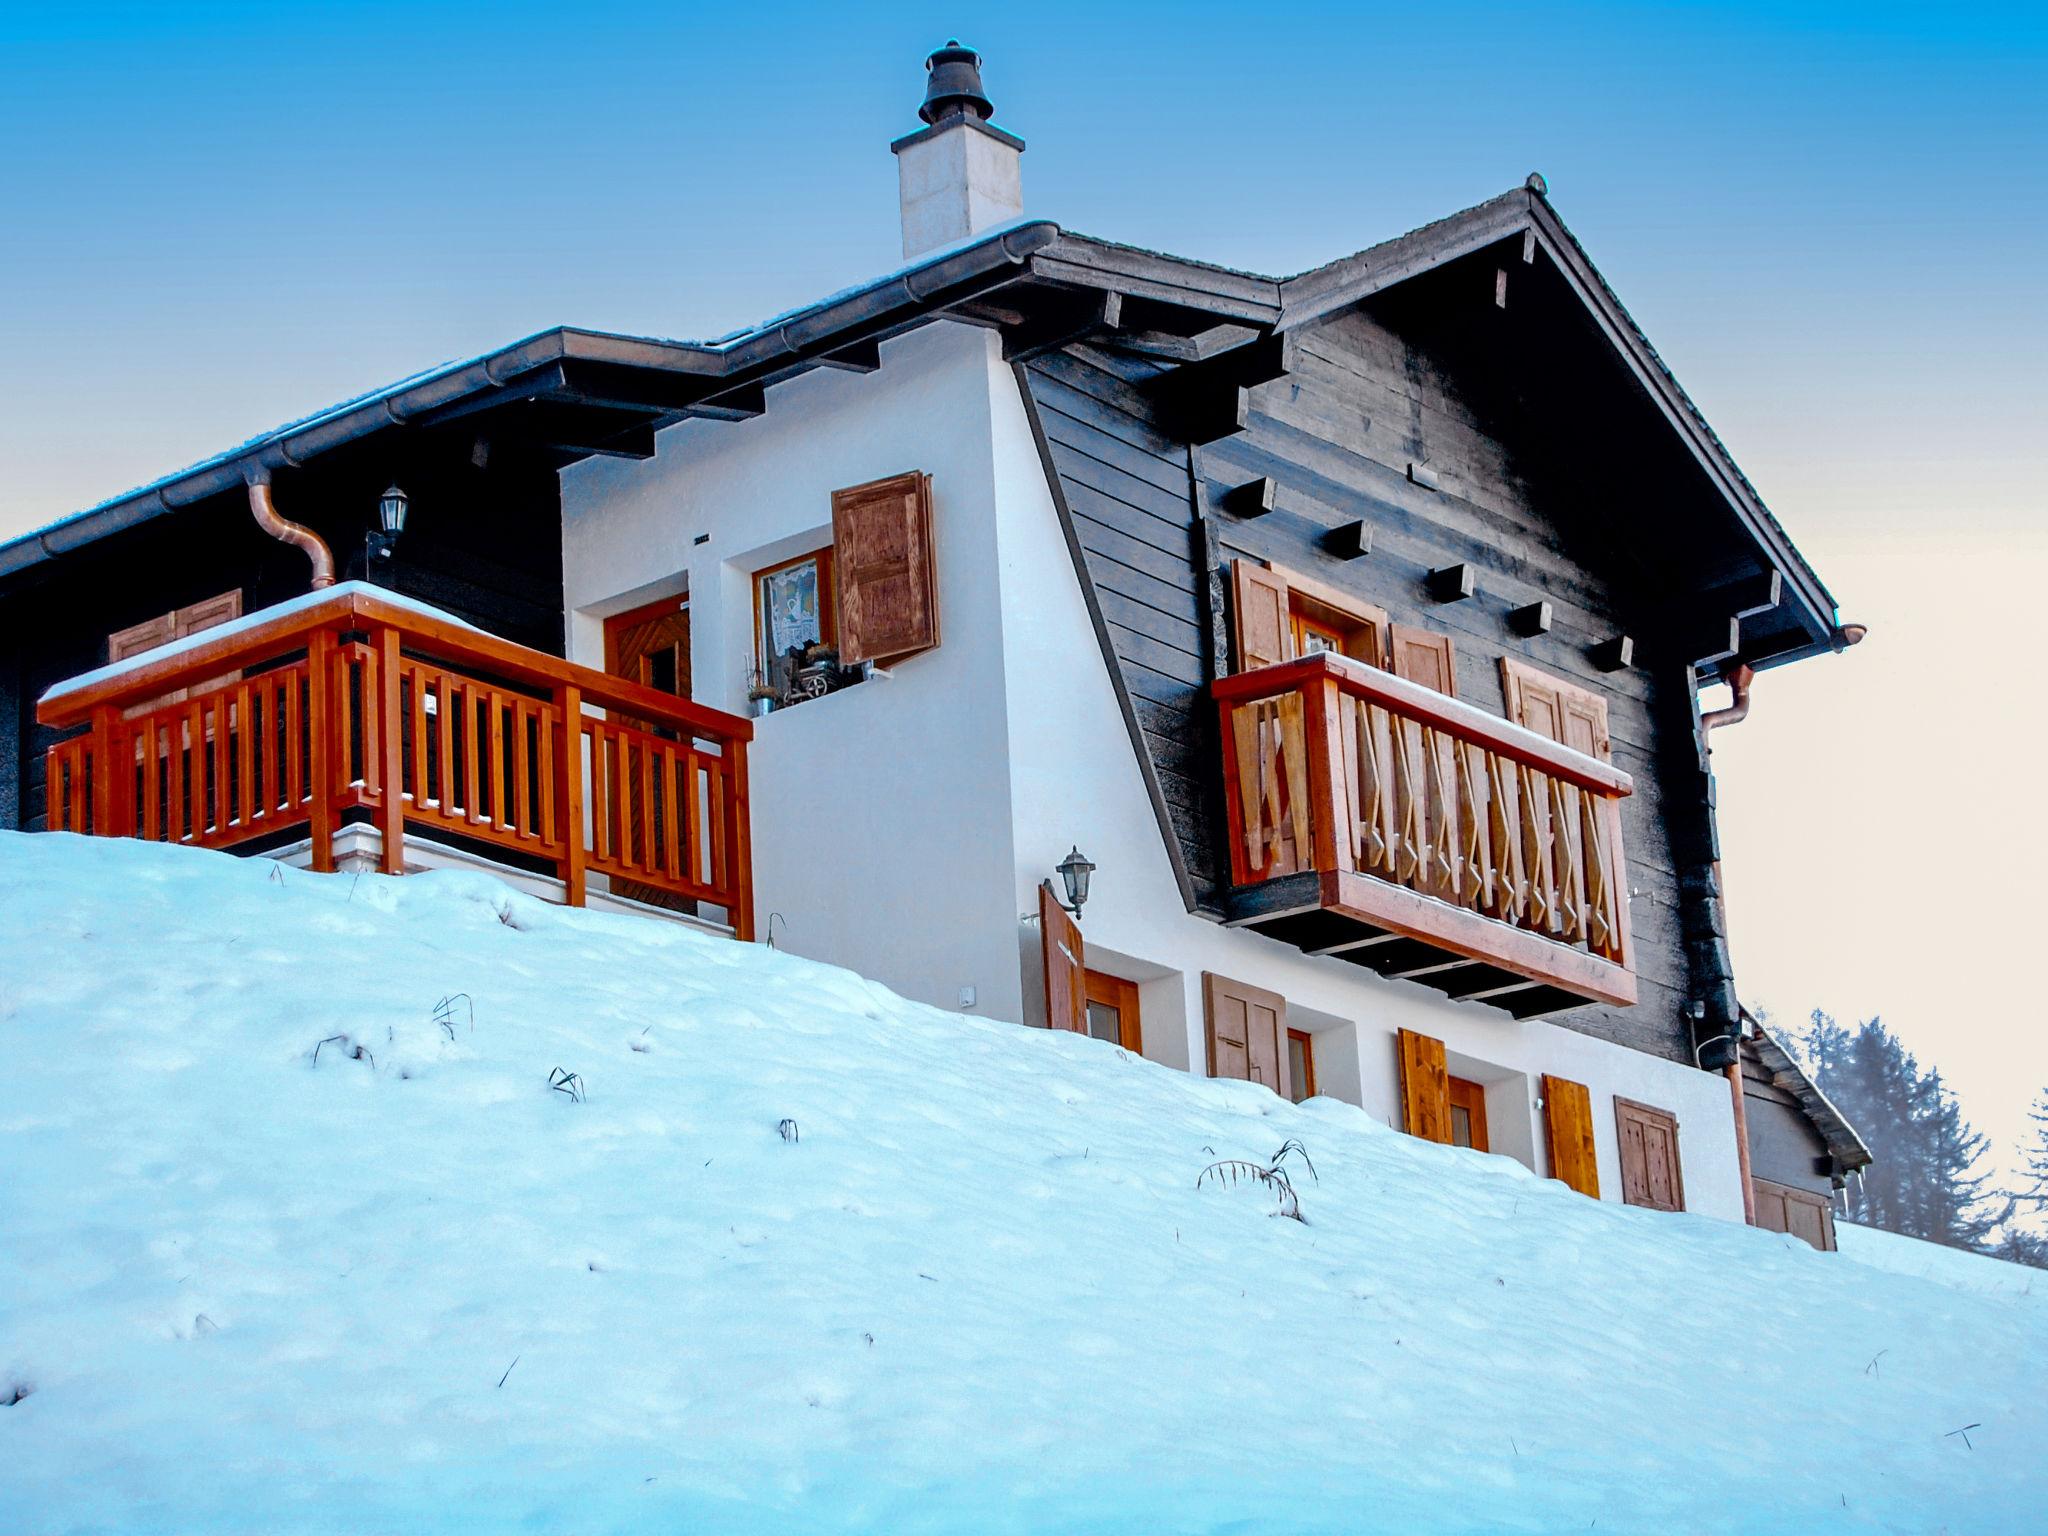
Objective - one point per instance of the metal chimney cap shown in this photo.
(955, 85)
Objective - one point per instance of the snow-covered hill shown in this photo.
(972, 1285)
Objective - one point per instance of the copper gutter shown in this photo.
(283, 529)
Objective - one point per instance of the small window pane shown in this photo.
(792, 613)
(1461, 1126)
(1105, 1022)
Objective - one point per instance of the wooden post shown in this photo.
(106, 766)
(569, 792)
(739, 841)
(390, 752)
(1331, 835)
(320, 733)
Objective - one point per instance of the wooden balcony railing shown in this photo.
(1456, 847)
(351, 701)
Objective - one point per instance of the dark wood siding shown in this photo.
(484, 543)
(1368, 394)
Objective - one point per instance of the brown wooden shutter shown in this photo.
(137, 638)
(1649, 1156)
(1425, 1087)
(1247, 1033)
(1424, 656)
(1066, 964)
(1568, 1118)
(1550, 706)
(1259, 615)
(888, 579)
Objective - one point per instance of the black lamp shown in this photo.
(391, 510)
(1074, 872)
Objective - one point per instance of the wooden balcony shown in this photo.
(1394, 827)
(350, 706)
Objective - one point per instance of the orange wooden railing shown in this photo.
(334, 702)
(1333, 765)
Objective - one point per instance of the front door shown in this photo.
(650, 646)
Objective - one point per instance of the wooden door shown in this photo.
(1260, 616)
(1247, 1033)
(1065, 962)
(649, 645)
(1649, 1156)
(1579, 881)
(1425, 1087)
(1802, 1213)
(1568, 1123)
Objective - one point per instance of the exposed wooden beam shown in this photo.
(1531, 619)
(1199, 347)
(1452, 583)
(1617, 653)
(742, 404)
(1065, 319)
(1252, 499)
(1349, 541)
(861, 357)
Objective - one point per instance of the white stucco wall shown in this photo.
(902, 827)
(880, 813)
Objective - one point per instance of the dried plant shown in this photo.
(787, 1130)
(349, 1048)
(1271, 1176)
(570, 1083)
(456, 1005)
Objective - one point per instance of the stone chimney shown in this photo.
(958, 175)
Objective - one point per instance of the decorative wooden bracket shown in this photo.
(1531, 619)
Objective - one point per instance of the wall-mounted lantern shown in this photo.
(391, 509)
(1074, 872)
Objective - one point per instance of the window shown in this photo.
(1468, 1114)
(871, 595)
(1282, 614)
(1301, 1066)
(796, 631)
(1112, 1011)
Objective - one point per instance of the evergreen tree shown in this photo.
(2033, 1188)
(1923, 1180)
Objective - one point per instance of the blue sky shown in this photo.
(1831, 220)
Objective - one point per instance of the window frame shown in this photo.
(1308, 1062)
(828, 605)
(1120, 994)
(1469, 1096)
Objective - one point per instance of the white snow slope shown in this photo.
(976, 1290)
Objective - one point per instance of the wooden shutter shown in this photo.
(1568, 1119)
(1424, 656)
(175, 625)
(1066, 986)
(1247, 1033)
(1263, 629)
(1649, 1156)
(1550, 706)
(888, 580)
(1425, 1087)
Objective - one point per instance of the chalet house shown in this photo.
(1353, 623)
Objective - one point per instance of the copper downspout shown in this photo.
(287, 531)
(1736, 712)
